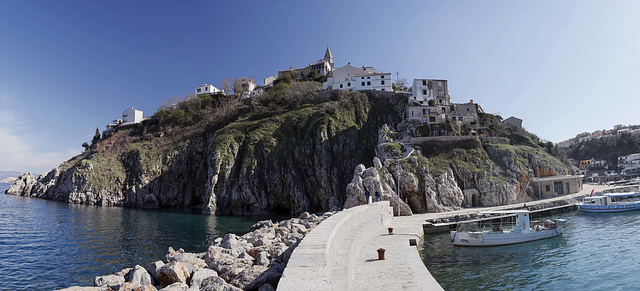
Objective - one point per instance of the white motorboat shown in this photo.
(617, 202)
(522, 231)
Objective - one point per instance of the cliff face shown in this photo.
(464, 172)
(289, 161)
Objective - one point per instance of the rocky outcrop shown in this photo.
(474, 174)
(294, 161)
(252, 261)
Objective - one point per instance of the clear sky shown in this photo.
(67, 67)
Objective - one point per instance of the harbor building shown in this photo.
(545, 187)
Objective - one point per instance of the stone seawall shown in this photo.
(327, 257)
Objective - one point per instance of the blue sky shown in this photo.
(67, 67)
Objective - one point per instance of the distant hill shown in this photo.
(8, 176)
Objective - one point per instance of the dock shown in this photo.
(403, 268)
(344, 251)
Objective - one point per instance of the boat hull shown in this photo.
(489, 238)
(608, 208)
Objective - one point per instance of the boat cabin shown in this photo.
(597, 200)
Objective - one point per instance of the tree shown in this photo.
(400, 85)
(226, 86)
(85, 145)
(238, 89)
(432, 102)
(96, 137)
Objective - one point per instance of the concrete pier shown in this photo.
(344, 256)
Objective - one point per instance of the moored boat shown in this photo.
(522, 231)
(617, 202)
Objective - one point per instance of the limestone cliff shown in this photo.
(277, 159)
(460, 172)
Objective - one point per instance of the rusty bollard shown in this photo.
(390, 229)
(381, 254)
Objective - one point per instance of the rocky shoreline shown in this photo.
(253, 261)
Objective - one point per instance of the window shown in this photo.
(340, 86)
(382, 89)
(206, 88)
(424, 82)
(368, 77)
(424, 92)
(198, 89)
(424, 119)
(453, 118)
(362, 78)
(362, 83)
(382, 77)
(547, 188)
(412, 113)
(349, 84)
(368, 83)
(382, 82)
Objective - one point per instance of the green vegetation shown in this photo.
(605, 148)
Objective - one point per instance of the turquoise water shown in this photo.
(46, 245)
(597, 251)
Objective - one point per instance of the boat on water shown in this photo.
(523, 230)
(614, 202)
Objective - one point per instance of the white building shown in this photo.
(630, 163)
(358, 79)
(131, 116)
(206, 89)
(268, 81)
(247, 86)
(424, 90)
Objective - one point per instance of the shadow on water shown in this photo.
(46, 244)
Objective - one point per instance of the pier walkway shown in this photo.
(403, 268)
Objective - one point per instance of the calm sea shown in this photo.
(596, 252)
(45, 245)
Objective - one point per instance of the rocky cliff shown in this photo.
(290, 151)
(281, 159)
(446, 173)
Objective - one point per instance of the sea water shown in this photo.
(46, 245)
(597, 251)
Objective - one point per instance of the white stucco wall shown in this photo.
(206, 89)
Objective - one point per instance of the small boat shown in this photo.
(523, 230)
(617, 202)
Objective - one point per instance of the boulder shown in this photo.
(304, 215)
(78, 288)
(171, 273)
(270, 275)
(226, 265)
(177, 286)
(130, 286)
(200, 275)
(247, 276)
(262, 224)
(190, 261)
(262, 259)
(153, 268)
(108, 280)
(139, 275)
(217, 284)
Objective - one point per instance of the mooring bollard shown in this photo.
(381, 254)
(390, 229)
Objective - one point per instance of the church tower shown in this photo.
(328, 57)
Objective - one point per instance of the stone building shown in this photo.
(322, 67)
(545, 187)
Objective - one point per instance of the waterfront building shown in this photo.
(629, 164)
(545, 187)
(206, 89)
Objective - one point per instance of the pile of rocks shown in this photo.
(254, 261)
